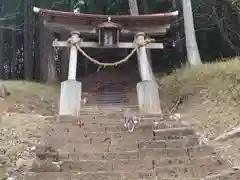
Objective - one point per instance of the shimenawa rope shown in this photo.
(76, 43)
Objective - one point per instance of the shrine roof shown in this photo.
(92, 20)
(145, 17)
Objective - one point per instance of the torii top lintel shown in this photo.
(59, 21)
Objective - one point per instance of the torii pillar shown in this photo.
(147, 89)
(71, 90)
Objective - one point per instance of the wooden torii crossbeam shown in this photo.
(121, 45)
(108, 30)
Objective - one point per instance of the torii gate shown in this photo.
(108, 30)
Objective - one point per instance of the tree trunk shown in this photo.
(30, 40)
(193, 55)
(64, 58)
(178, 30)
(145, 6)
(42, 61)
(14, 60)
(1, 51)
(133, 7)
(26, 49)
(36, 48)
(2, 22)
(49, 58)
(70, 5)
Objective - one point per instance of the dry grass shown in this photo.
(29, 97)
(20, 131)
(210, 95)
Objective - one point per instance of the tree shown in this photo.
(193, 55)
(2, 11)
(133, 7)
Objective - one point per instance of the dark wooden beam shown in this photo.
(1, 50)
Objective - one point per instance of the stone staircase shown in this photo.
(98, 147)
(112, 93)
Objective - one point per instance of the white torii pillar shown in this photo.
(147, 89)
(71, 90)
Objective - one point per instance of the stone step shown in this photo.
(109, 93)
(97, 126)
(122, 165)
(172, 132)
(199, 169)
(113, 144)
(203, 161)
(194, 151)
(118, 126)
(211, 163)
(140, 175)
(148, 153)
(94, 139)
(95, 108)
(133, 175)
(178, 143)
(75, 133)
(188, 168)
(111, 121)
(228, 174)
(186, 171)
(99, 155)
(102, 128)
(72, 147)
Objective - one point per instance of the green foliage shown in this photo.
(216, 22)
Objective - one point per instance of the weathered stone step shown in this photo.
(82, 127)
(207, 161)
(194, 151)
(133, 175)
(103, 165)
(102, 112)
(172, 132)
(114, 123)
(210, 163)
(148, 153)
(118, 127)
(185, 171)
(106, 146)
(228, 174)
(96, 108)
(117, 144)
(140, 175)
(100, 155)
(76, 133)
(96, 138)
(178, 143)
(102, 128)
(192, 168)
(115, 126)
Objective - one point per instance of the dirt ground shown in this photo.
(27, 97)
(22, 118)
(208, 94)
